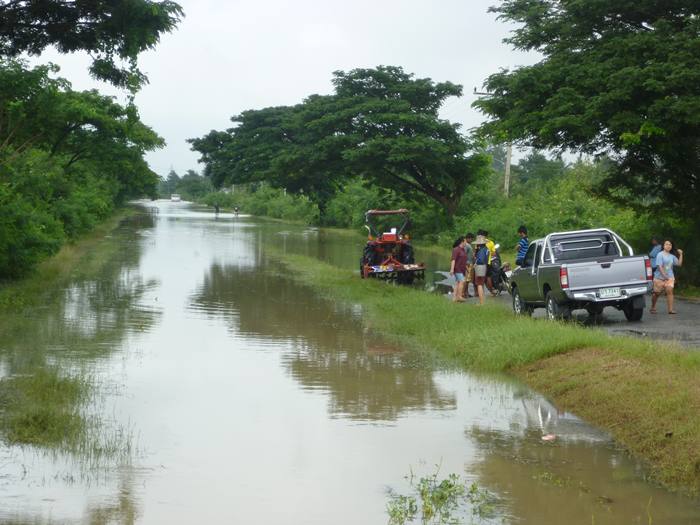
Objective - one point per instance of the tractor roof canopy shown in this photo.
(383, 221)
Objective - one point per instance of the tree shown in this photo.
(66, 159)
(381, 124)
(619, 78)
(399, 141)
(193, 186)
(114, 33)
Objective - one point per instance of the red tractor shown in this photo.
(388, 253)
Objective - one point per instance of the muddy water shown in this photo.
(244, 397)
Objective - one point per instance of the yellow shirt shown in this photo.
(491, 246)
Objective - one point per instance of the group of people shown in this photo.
(470, 264)
(664, 258)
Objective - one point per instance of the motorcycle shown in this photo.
(498, 274)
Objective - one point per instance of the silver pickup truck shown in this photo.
(588, 269)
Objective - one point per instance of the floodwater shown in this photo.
(245, 397)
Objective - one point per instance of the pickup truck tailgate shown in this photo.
(608, 272)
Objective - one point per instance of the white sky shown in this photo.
(229, 56)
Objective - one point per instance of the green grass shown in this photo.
(42, 408)
(642, 391)
(689, 292)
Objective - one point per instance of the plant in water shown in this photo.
(439, 501)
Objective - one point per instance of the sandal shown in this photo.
(672, 312)
(652, 311)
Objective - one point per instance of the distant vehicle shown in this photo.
(175, 197)
(388, 253)
(587, 269)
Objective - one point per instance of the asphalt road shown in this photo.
(684, 327)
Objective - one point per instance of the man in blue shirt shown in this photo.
(655, 250)
(522, 245)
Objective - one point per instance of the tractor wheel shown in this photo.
(369, 254)
(405, 278)
(407, 256)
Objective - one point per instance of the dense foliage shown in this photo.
(114, 33)
(191, 186)
(67, 158)
(618, 78)
(381, 125)
(264, 200)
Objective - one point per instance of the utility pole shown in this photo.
(509, 154)
(506, 178)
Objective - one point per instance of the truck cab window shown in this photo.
(529, 256)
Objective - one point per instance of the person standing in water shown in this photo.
(664, 278)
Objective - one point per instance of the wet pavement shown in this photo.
(682, 328)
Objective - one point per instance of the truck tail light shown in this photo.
(647, 264)
(564, 277)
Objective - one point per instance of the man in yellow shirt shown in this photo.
(491, 247)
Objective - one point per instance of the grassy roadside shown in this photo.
(40, 403)
(645, 393)
(60, 267)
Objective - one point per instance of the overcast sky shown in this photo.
(227, 56)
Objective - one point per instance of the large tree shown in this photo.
(113, 32)
(620, 78)
(380, 124)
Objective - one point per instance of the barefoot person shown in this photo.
(664, 279)
(458, 267)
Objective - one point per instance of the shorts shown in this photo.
(480, 280)
(480, 270)
(661, 285)
(459, 277)
(470, 273)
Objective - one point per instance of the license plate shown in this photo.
(606, 293)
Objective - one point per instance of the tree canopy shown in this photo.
(617, 78)
(380, 124)
(66, 159)
(114, 33)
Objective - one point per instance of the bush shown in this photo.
(27, 233)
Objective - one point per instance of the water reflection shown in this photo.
(579, 478)
(76, 327)
(366, 378)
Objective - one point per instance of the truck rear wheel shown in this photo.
(556, 311)
(633, 312)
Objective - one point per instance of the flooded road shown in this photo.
(236, 395)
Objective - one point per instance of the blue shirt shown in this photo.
(652, 255)
(522, 248)
(667, 262)
(482, 256)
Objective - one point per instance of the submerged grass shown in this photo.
(645, 393)
(42, 404)
(43, 408)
